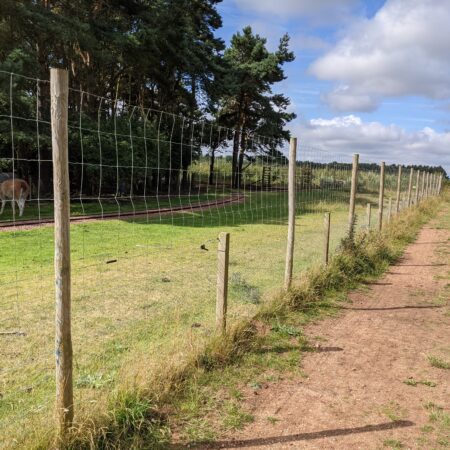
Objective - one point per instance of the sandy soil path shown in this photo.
(354, 395)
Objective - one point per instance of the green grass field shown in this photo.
(143, 295)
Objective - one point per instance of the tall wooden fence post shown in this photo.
(59, 91)
(411, 174)
(354, 188)
(327, 228)
(369, 215)
(440, 184)
(399, 186)
(291, 214)
(422, 189)
(381, 197)
(223, 258)
(390, 210)
(416, 201)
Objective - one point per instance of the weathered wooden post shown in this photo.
(381, 197)
(399, 186)
(59, 92)
(369, 215)
(416, 201)
(440, 184)
(291, 213)
(390, 210)
(327, 228)
(411, 174)
(422, 190)
(223, 258)
(354, 188)
(427, 185)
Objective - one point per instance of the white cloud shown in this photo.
(344, 135)
(403, 50)
(322, 10)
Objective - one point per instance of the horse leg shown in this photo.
(3, 205)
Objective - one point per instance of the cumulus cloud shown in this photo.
(316, 9)
(341, 136)
(403, 50)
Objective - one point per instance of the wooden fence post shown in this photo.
(440, 184)
(354, 188)
(291, 214)
(399, 186)
(416, 201)
(381, 197)
(327, 227)
(411, 174)
(427, 185)
(59, 91)
(390, 210)
(369, 215)
(422, 189)
(223, 258)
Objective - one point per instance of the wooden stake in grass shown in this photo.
(440, 184)
(416, 201)
(291, 216)
(354, 188)
(381, 197)
(369, 215)
(59, 90)
(399, 186)
(327, 229)
(411, 174)
(223, 258)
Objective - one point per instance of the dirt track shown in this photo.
(354, 395)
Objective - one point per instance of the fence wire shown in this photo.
(150, 191)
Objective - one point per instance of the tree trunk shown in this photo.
(212, 159)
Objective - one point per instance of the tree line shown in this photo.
(138, 57)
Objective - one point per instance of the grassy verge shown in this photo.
(197, 399)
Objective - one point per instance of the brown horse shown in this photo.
(16, 190)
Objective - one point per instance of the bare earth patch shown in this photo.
(370, 383)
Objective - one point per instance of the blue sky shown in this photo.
(370, 76)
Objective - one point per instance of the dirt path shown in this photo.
(354, 395)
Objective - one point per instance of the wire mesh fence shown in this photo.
(149, 192)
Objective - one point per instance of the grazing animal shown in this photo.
(16, 190)
(6, 176)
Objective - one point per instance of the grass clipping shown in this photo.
(138, 415)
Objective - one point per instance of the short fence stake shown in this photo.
(223, 258)
(327, 227)
(416, 201)
(291, 216)
(411, 174)
(354, 188)
(399, 186)
(381, 197)
(369, 215)
(59, 90)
